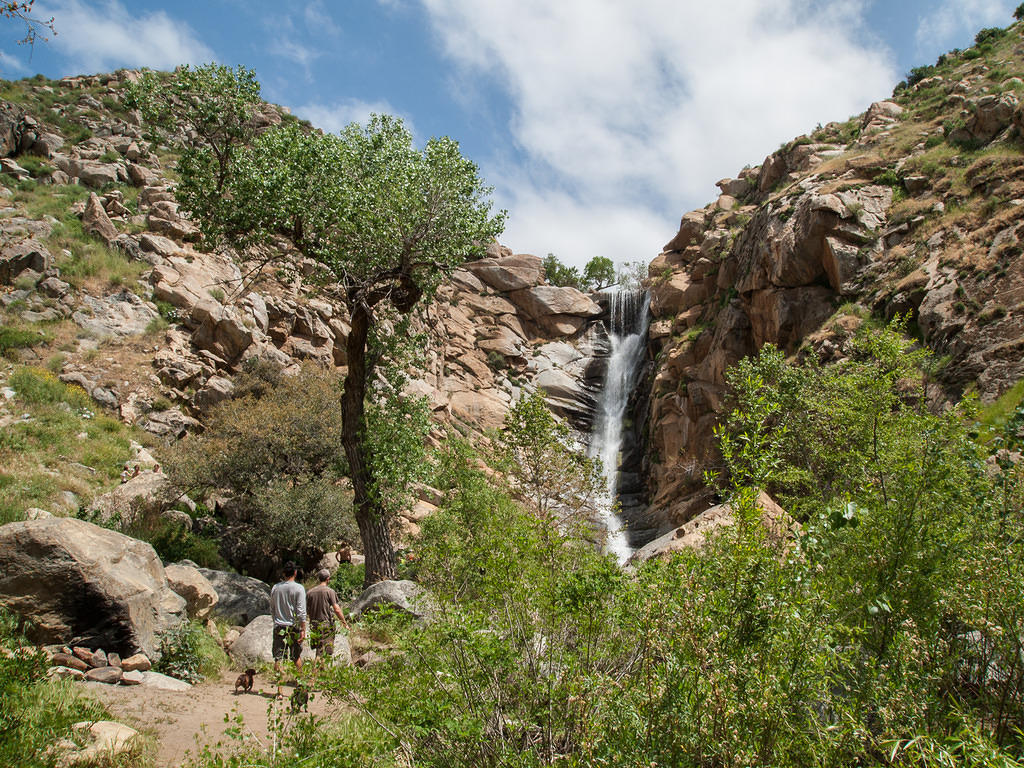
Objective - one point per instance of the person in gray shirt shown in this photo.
(288, 607)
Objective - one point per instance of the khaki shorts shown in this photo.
(321, 639)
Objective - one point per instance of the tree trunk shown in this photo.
(373, 527)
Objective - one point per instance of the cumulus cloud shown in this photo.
(104, 35)
(626, 113)
(950, 21)
(333, 117)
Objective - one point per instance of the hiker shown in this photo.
(288, 607)
(323, 607)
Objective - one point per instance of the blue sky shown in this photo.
(598, 122)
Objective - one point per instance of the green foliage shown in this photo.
(382, 219)
(557, 273)
(1018, 12)
(18, 338)
(36, 711)
(988, 36)
(881, 631)
(396, 431)
(39, 386)
(631, 274)
(347, 580)
(559, 481)
(215, 102)
(599, 273)
(279, 457)
(189, 653)
(174, 542)
(508, 671)
(917, 74)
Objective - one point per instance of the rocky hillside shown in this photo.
(104, 286)
(913, 208)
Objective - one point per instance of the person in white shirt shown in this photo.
(288, 607)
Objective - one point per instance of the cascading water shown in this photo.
(627, 336)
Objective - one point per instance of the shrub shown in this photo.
(280, 458)
(36, 711)
(988, 36)
(188, 653)
(18, 338)
(917, 74)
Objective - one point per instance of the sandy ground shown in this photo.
(184, 722)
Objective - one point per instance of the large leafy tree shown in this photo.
(385, 221)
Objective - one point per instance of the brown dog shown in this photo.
(244, 680)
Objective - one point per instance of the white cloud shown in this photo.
(104, 35)
(333, 117)
(10, 64)
(627, 113)
(952, 21)
(302, 55)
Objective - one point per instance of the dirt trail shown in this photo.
(183, 722)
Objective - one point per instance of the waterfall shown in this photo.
(627, 336)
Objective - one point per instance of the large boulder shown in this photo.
(404, 596)
(76, 581)
(96, 222)
(509, 273)
(255, 644)
(125, 503)
(240, 599)
(694, 534)
(545, 300)
(187, 581)
(16, 257)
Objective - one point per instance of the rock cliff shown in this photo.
(914, 208)
(97, 260)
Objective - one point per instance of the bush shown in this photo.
(18, 338)
(988, 36)
(277, 451)
(40, 386)
(188, 653)
(347, 581)
(36, 711)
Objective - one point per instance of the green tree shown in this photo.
(556, 479)
(278, 457)
(384, 220)
(557, 273)
(599, 273)
(212, 107)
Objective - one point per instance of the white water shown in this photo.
(627, 334)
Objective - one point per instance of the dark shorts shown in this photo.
(321, 639)
(286, 643)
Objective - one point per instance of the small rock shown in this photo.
(163, 682)
(133, 678)
(138, 663)
(113, 659)
(99, 659)
(67, 660)
(85, 654)
(106, 741)
(109, 675)
(65, 673)
(369, 659)
(95, 220)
